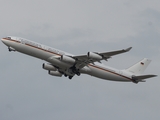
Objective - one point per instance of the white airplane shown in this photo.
(62, 63)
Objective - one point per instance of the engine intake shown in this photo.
(93, 55)
(67, 59)
(48, 66)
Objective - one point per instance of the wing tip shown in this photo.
(128, 49)
(154, 75)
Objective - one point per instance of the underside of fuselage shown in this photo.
(61, 63)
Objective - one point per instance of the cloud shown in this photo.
(28, 92)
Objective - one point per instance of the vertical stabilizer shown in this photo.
(139, 67)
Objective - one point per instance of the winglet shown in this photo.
(128, 49)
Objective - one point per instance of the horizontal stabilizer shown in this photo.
(140, 78)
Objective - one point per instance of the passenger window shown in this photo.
(22, 41)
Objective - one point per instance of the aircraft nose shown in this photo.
(4, 40)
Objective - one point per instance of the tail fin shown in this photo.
(139, 67)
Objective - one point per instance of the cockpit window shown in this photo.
(9, 38)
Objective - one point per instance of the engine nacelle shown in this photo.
(67, 59)
(94, 56)
(55, 73)
(48, 66)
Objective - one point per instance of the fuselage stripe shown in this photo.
(42, 49)
(109, 71)
(60, 55)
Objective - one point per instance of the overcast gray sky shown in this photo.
(27, 92)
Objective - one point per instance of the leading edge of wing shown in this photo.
(105, 55)
(112, 53)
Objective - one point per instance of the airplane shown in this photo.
(61, 63)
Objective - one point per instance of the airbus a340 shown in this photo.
(61, 63)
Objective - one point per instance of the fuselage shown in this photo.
(51, 55)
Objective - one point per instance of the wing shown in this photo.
(92, 57)
(75, 63)
(109, 54)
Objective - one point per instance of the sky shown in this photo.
(26, 90)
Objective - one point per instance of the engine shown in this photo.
(55, 73)
(67, 59)
(94, 56)
(48, 66)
